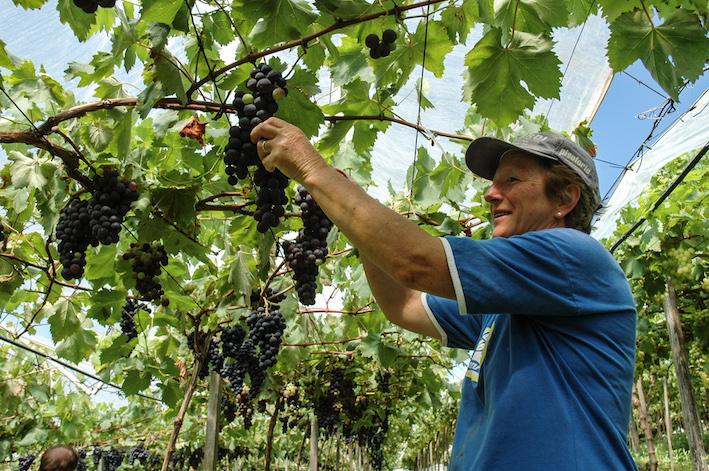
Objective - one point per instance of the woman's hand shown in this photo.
(281, 145)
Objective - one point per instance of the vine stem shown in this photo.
(269, 437)
(181, 416)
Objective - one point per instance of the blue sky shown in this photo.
(618, 132)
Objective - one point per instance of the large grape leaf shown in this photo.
(673, 52)
(496, 75)
(280, 20)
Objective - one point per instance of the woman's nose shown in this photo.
(492, 194)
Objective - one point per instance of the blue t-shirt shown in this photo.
(550, 320)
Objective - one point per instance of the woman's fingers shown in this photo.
(266, 130)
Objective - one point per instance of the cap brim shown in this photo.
(484, 154)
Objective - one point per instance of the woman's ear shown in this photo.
(569, 199)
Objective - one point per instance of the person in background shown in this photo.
(59, 458)
(544, 309)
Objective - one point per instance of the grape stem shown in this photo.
(269, 437)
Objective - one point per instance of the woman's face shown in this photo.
(517, 199)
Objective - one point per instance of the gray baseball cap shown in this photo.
(484, 154)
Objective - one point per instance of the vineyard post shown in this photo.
(690, 415)
(647, 426)
(634, 437)
(668, 423)
(314, 443)
(213, 410)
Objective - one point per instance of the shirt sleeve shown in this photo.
(456, 331)
(554, 272)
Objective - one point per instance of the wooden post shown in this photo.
(634, 436)
(647, 425)
(211, 445)
(314, 443)
(668, 423)
(690, 415)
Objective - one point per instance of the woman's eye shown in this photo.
(512, 179)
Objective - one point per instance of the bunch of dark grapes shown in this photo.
(266, 332)
(25, 462)
(112, 459)
(187, 459)
(128, 313)
(310, 247)
(96, 456)
(147, 263)
(381, 48)
(270, 198)
(140, 454)
(244, 360)
(90, 6)
(228, 407)
(74, 235)
(336, 403)
(90, 222)
(110, 202)
(81, 464)
(371, 437)
(265, 87)
(289, 406)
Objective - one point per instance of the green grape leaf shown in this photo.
(27, 172)
(121, 347)
(7, 60)
(280, 20)
(673, 51)
(612, 9)
(496, 75)
(160, 11)
(79, 21)
(460, 19)
(167, 72)
(64, 320)
(531, 16)
(136, 381)
(30, 4)
(77, 346)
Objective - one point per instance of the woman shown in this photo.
(544, 308)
